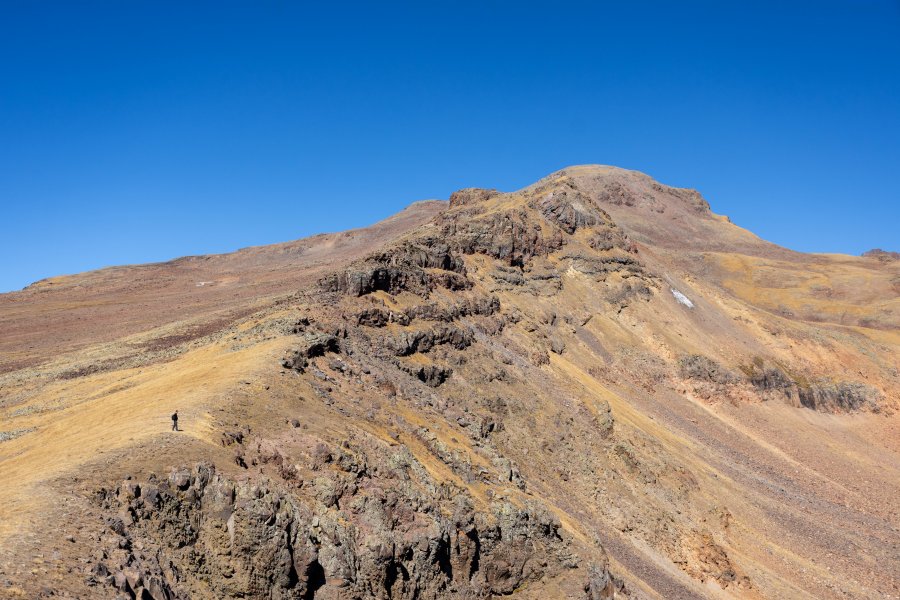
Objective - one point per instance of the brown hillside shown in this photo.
(593, 387)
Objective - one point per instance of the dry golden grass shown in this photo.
(102, 413)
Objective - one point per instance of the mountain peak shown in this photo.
(591, 387)
(615, 186)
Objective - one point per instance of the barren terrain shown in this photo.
(593, 387)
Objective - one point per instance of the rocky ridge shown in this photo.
(453, 423)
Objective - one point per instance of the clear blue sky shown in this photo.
(137, 131)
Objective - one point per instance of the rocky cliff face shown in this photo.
(531, 394)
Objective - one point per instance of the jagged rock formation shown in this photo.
(503, 397)
(205, 534)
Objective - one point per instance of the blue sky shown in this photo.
(136, 131)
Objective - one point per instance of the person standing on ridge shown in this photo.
(175, 421)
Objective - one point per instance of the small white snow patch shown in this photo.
(682, 298)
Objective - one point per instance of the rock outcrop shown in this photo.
(884, 256)
(312, 344)
(203, 533)
(819, 394)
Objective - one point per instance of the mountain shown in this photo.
(593, 387)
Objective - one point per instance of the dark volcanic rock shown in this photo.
(416, 268)
(312, 345)
(772, 379)
(386, 279)
(696, 366)
(430, 375)
(820, 395)
(509, 236)
(484, 306)
(373, 317)
(568, 209)
(410, 342)
(845, 396)
(256, 539)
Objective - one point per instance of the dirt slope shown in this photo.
(196, 294)
(593, 387)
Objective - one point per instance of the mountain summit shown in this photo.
(593, 387)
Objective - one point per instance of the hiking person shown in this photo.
(175, 421)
